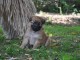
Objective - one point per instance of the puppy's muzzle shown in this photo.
(36, 26)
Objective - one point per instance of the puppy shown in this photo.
(35, 35)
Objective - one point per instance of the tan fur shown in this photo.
(35, 38)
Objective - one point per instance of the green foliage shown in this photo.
(53, 6)
(78, 1)
(67, 7)
(2, 58)
(1, 32)
(2, 37)
(46, 5)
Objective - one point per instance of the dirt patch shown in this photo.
(71, 19)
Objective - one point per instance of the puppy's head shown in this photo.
(37, 23)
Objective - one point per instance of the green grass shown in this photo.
(68, 47)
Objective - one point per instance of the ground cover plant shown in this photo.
(65, 45)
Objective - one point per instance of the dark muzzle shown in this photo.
(36, 26)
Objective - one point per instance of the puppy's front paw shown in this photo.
(22, 47)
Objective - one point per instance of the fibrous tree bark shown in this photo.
(15, 15)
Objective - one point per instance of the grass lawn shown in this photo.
(65, 47)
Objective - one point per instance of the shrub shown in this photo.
(53, 6)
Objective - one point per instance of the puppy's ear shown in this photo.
(43, 20)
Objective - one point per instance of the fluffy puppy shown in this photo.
(35, 35)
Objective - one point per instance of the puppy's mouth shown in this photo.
(36, 26)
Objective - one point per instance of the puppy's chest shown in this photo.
(33, 36)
